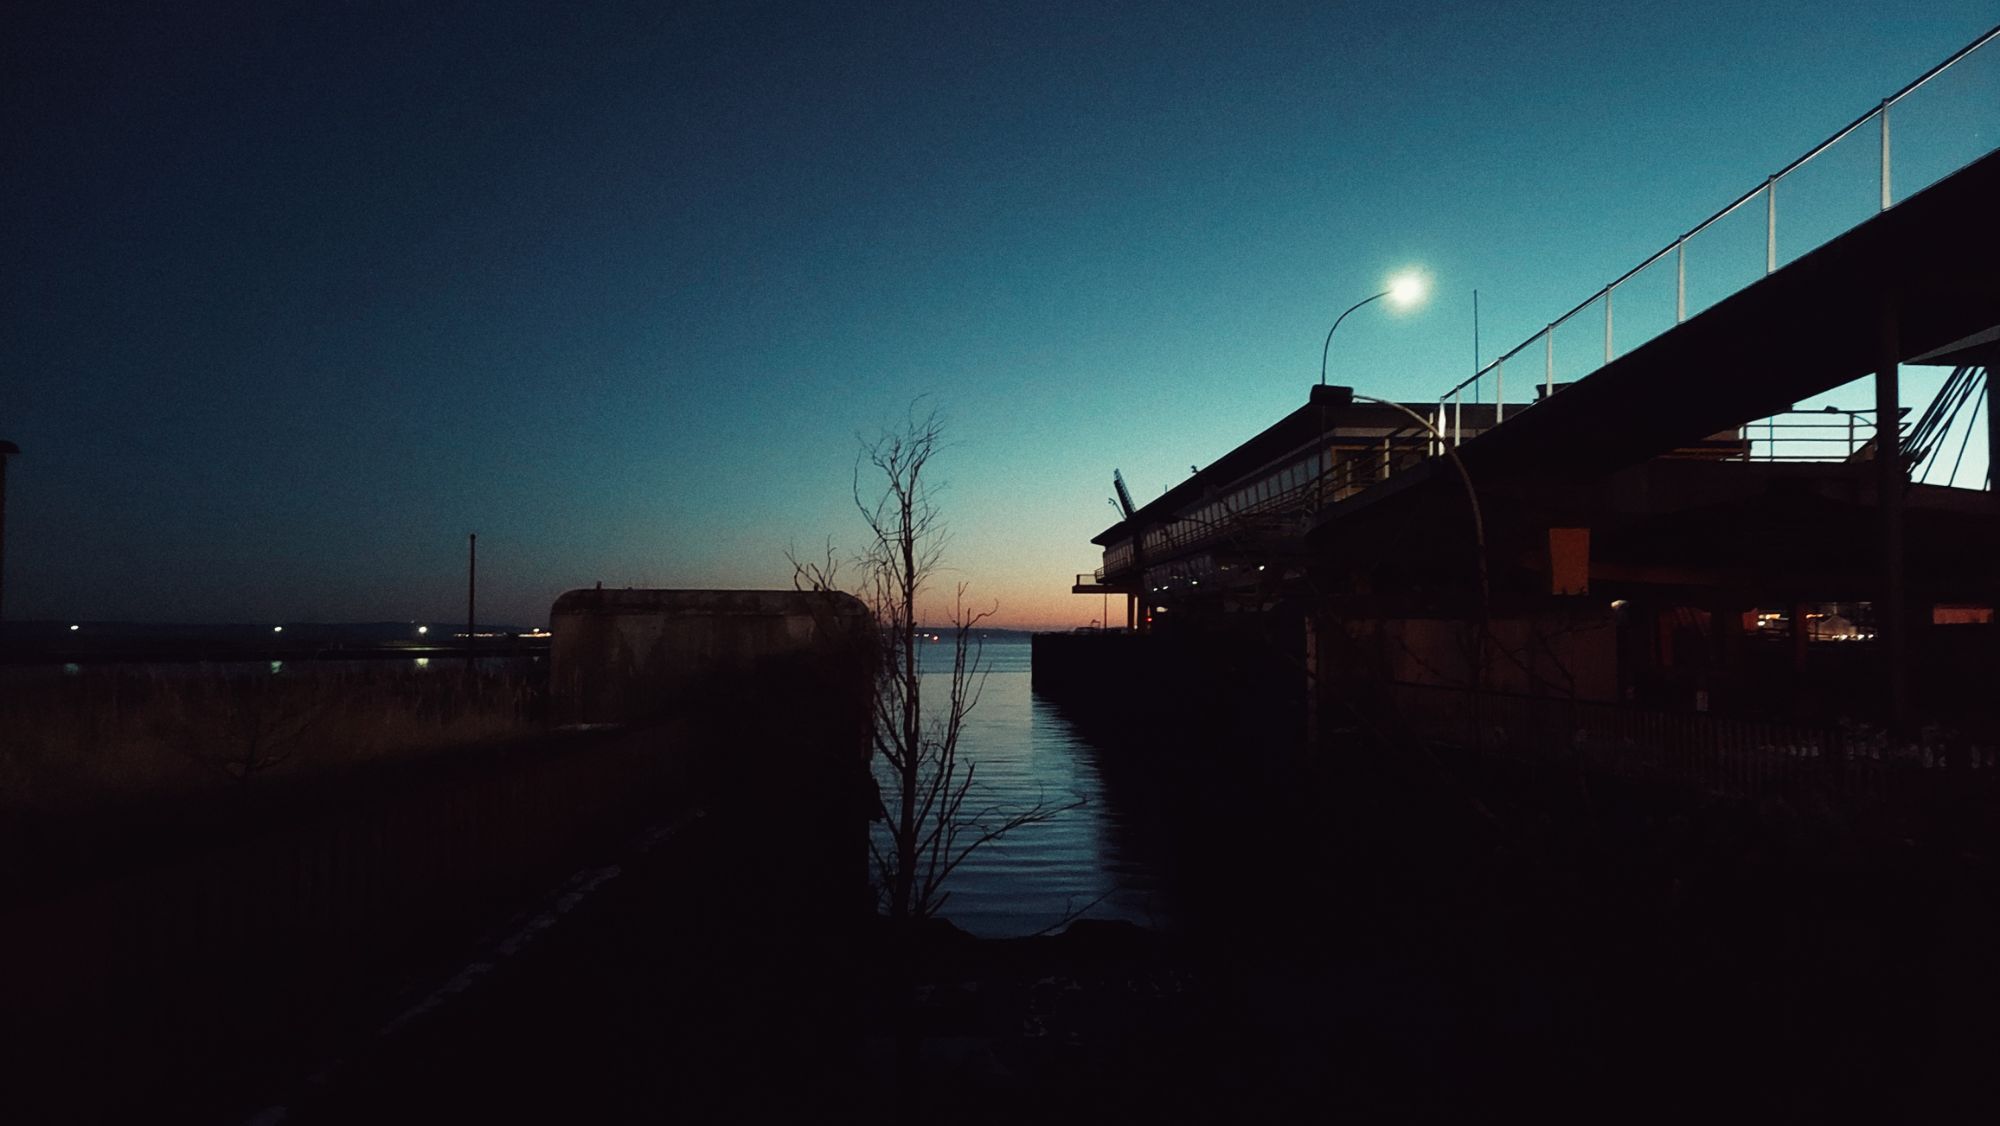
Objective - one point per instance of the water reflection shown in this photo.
(1081, 858)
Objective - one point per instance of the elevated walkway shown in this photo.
(1911, 280)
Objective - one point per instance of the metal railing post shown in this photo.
(1499, 391)
(1771, 225)
(1458, 417)
(1680, 282)
(1770, 189)
(1607, 323)
(1886, 197)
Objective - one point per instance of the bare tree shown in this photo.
(241, 729)
(933, 825)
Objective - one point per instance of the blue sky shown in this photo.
(299, 297)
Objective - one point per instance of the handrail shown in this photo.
(1678, 246)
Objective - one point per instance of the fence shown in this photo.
(1542, 345)
(1829, 434)
(1727, 757)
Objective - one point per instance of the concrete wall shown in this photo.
(621, 656)
(1233, 692)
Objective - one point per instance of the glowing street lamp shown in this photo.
(1405, 290)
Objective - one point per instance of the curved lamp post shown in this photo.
(1471, 494)
(1485, 625)
(1404, 291)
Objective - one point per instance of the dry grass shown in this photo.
(103, 737)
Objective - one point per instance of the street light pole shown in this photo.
(1484, 628)
(1404, 290)
(1336, 324)
(1471, 497)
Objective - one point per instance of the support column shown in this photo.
(1891, 616)
(1993, 427)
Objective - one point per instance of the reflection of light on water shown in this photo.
(277, 667)
(71, 670)
(423, 662)
(1027, 754)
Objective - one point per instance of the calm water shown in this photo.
(1027, 753)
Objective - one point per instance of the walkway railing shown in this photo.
(1542, 345)
(1716, 754)
(1828, 434)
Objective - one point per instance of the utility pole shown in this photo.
(471, 594)
(7, 450)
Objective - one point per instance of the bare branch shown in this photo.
(931, 827)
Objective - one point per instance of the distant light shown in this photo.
(73, 629)
(1617, 604)
(1407, 289)
(422, 630)
(277, 629)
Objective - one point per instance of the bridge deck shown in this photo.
(1809, 327)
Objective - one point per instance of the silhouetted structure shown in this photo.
(624, 655)
(1661, 533)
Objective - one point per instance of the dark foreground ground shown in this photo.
(1447, 940)
(1384, 935)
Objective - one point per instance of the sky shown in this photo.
(298, 296)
